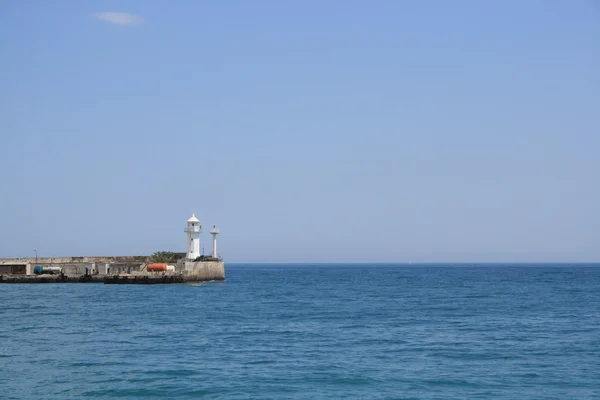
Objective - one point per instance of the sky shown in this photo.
(307, 131)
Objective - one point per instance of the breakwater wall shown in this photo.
(186, 271)
(202, 270)
(77, 259)
(75, 265)
(52, 278)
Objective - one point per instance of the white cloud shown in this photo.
(119, 18)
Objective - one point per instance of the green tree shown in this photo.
(166, 257)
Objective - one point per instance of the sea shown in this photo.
(309, 331)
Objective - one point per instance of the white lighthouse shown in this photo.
(214, 232)
(193, 230)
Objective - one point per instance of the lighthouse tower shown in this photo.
(193, 230)
(214, 232)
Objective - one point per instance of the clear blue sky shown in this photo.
(308, 131)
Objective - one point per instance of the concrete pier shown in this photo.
(186, 271)
(18, 278)
(74, 265)
(203, 270)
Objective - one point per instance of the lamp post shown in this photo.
(35, 255)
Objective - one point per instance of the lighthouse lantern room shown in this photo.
(193, 230)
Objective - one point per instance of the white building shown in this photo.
(193, 230)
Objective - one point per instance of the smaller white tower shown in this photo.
(193, 230)
(214, 232)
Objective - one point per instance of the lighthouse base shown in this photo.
(202, 270)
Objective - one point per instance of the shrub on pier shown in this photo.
(164, 257)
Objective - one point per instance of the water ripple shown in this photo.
(310, 332)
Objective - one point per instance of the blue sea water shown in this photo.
(310, 332)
